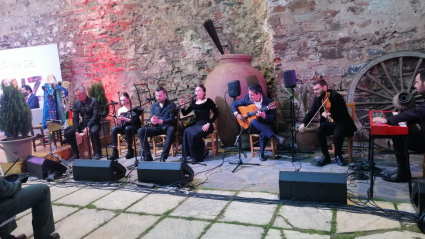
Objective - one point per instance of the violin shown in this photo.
(327, 105)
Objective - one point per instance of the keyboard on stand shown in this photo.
(386, 129)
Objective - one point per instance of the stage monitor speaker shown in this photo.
(313, 186)
(417, 197)
(164, 173)
(290, 78)
(40, 167)
(234, 88)
(97, 170)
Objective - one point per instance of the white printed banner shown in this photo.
(33, 66)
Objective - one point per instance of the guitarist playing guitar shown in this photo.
(263, 124)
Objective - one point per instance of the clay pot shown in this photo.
(307, 141)
(232, 67)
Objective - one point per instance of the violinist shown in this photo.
(334, 120)
(128, 121)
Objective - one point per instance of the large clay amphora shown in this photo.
(232, 67)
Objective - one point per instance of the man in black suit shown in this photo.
(264, 124)
(30, 98)
(415, 142)
(87, 108)
(163, 121)
(14, 200)
(341, 126)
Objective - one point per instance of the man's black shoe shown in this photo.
(115, 154)
(395, 178)
(148, 157)
(323, 161)
(55, 235)
(130, 154)
(340, 160)
(280, 139)
(97, 156)
(262, 157)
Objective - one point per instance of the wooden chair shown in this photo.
(255, 138)
(43, 142)
(122, 143)
(352, 106)
(213, 138)
(161, 139)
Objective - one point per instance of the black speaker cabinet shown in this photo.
(313, 186)
(290, 79)
(40, 168)
(164, 173)
(97, 170)
(417, 198)
(234, 88)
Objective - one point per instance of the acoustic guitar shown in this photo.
(250, 112)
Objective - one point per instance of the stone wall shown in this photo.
(120, 42)
(335, 38)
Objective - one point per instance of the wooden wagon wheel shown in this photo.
(386, 83)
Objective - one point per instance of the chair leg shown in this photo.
(33, 140)
(350, 149)
(42, 138)
(213, 144)
(274, 146)
(252, 145)
(154, 146)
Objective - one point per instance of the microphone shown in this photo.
(112, 103)
(150, 99)
(192, 97)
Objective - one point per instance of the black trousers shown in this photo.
(265, 131)
(146, 132)
(36, 197)
(129, 131)
(414, 143)
(95, 138)
(339, 131)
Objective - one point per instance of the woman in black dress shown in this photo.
(128, 121)
(193, 145)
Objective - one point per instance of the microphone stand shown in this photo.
(240, 151)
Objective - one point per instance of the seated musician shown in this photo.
(415, 142)
(193, 146)
(334, 120)
(128, 121)
(264, 123)
(87, 108)
(163, 120)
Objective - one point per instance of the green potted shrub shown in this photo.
(15, 122)
(97, 91)
(306, 141)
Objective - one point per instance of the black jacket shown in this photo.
(339, 112)
(89, 113)
(414, 115)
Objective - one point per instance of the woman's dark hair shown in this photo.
(125, 94)
(202, 87)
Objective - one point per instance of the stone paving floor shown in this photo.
(89, 210)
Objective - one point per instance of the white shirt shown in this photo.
(259, 104)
